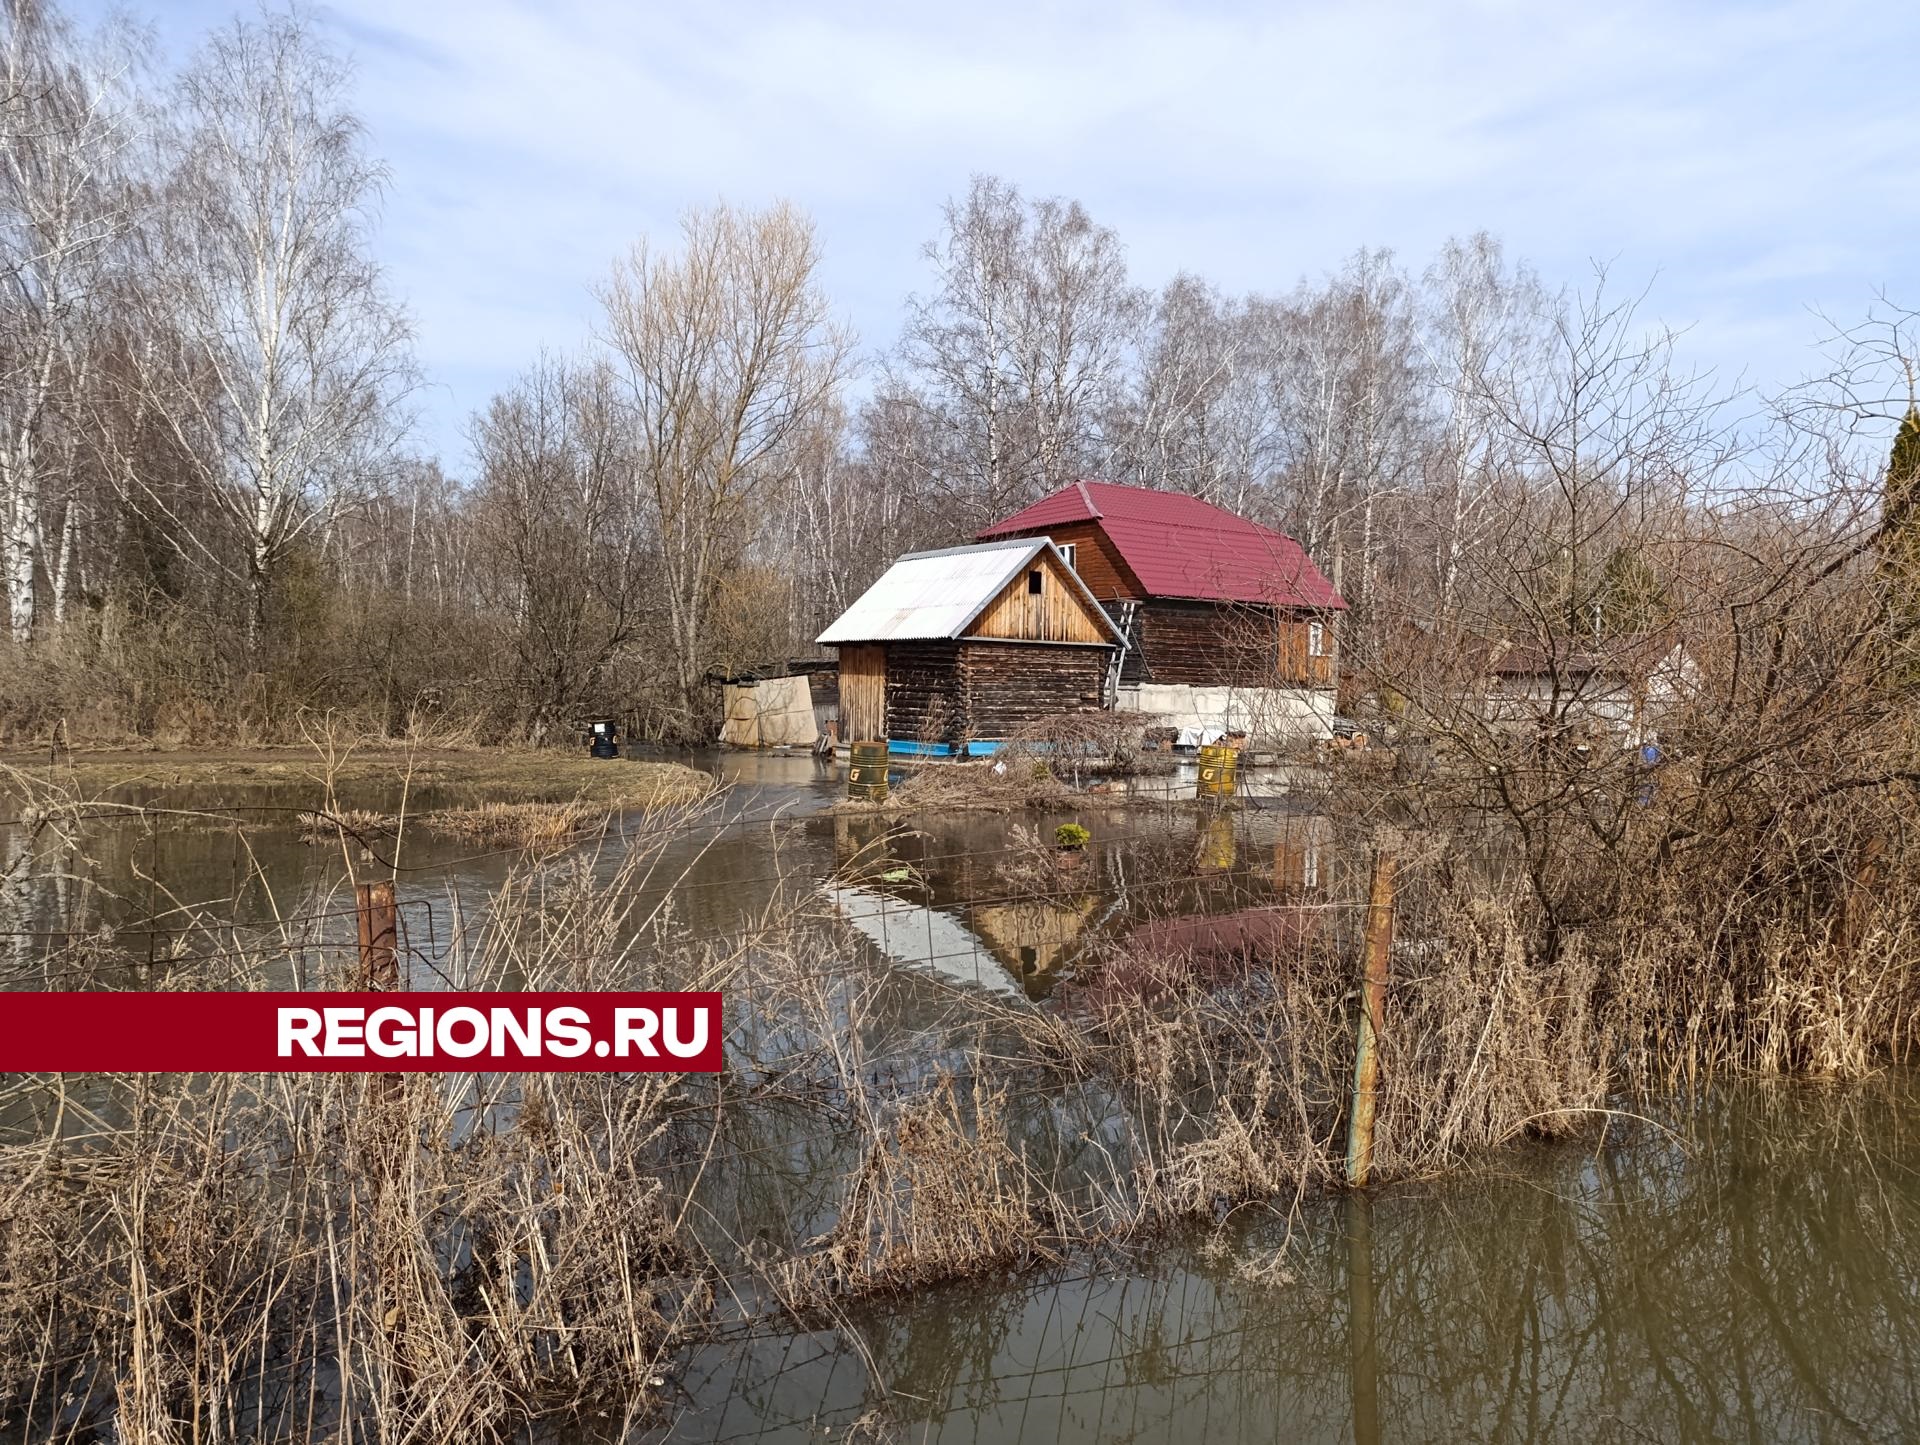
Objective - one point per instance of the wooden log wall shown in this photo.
(1204, 644)
(926, 699)
(1134, 666)
(1010, 686)
(1215, 644)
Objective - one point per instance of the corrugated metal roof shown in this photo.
(1180, 546)
(937, 595)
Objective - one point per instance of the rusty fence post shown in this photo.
(1363, 1344)
(379, 934)
(1373, 1005)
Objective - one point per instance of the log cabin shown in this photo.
(952, 652)
(1228, 627)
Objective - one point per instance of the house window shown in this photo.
(1070, 554)
(1316, 639)
(1034, 582)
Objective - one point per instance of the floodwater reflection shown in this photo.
(1749, 1275)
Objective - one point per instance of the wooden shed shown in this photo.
(954, 651)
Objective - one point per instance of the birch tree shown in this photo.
(1199, 419)
(64, 131)
(1348, 398)
(1020, 351)
(1484, 326)
(730, 359)
(280, 365)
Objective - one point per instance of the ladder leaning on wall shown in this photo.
(1124, 620)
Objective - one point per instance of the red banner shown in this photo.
(628, 1033)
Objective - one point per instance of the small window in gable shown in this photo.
(1035, 579)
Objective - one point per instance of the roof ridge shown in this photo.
(990, 543)
(1087, 497)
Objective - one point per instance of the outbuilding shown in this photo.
(953, 651)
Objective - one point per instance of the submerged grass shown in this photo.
(449, 1258)
(533, 826)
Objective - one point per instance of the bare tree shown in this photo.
(64, 130)
(553, 508)
(1349, 398)
(730, 359)
(276, 359)
(1019, 353)
(1483, 327)
(1198, 418)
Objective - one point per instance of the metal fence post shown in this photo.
(379, 935)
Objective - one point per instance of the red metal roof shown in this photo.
(1180, 546)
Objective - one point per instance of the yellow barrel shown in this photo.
(1219, 846)
(867, 772)
(1219, 767)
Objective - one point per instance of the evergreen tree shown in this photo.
(1632, 598)
(1900, 511)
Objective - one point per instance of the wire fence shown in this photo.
(935, 956)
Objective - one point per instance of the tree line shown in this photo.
(217, 519)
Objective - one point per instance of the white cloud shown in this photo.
(1757, 157)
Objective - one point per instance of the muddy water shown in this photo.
(930, 892)
(1747, 1271)
(1747, 1266)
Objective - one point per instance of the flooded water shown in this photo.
(929, 891)
(1745, 1272)
(1744, 1266)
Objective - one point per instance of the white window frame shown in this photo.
(1069, 553)
(1316, 639)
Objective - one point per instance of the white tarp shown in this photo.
(774, 712)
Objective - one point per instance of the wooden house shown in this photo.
(956, 650)
(1228, 625)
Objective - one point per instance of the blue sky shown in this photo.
(1751, 162)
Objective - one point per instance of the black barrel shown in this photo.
(603, 738)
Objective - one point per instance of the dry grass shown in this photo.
(504, 774)
(206, 1258)
(521, 825)
(1040, 766)
(358, 825)
(1005, 783)
(380, 1257)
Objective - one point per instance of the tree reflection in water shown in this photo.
(1746, 1271)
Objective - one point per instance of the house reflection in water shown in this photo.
(915, 897)
(935, 896)
(1301, 857)
(1034, 937)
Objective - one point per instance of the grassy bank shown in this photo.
(504, 775)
